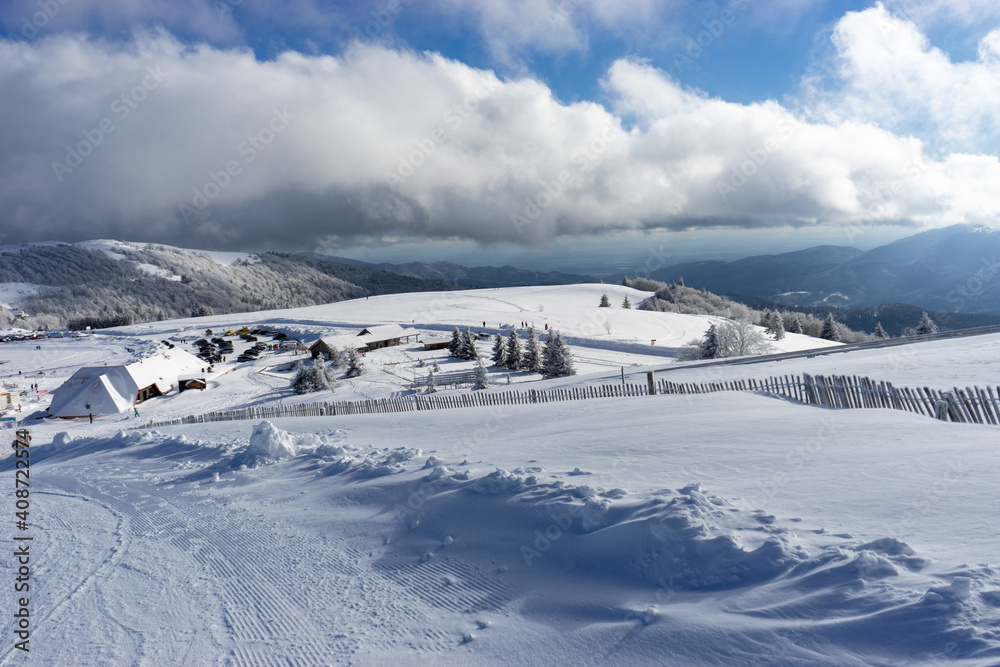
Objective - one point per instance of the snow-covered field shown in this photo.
(724, 529)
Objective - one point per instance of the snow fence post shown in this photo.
(652, 385)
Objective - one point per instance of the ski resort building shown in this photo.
(370, 338)
(108, 390)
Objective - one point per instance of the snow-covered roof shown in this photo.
(385, 332)
(111, 389)
(342, 341)
(368, 335)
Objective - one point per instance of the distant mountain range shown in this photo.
(474, 276)
(954, 269)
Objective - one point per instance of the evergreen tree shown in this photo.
(430, 383)
(625, 281)
(353, 362)
(680, 282)
(710, 344)
(558, 361)
(626, 303)
(499, 351)
(796, 325)
(456, 342)
(302, 382)
(532, 359)
(514, 355)
(880, 332)
(317, 377)
(926, 326)
(775, 326)
(482, 378)
(830, 331)
(605, 302)
(468, 349)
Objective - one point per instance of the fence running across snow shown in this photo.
(969, 405)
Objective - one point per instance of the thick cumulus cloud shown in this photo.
(155, 140)
(887, 72)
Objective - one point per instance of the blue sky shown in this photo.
(556, 133)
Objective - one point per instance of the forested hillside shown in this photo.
(86, 286)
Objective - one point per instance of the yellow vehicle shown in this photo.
(230, 333)
(243, 330)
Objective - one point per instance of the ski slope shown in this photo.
(717, 529)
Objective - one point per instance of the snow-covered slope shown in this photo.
(728, 528)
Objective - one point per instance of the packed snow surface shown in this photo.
(718, 529)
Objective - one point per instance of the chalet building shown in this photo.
(106, 390)
(368, 339)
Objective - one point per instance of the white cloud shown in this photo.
(927, 13)
(887, 72)
(390, 142)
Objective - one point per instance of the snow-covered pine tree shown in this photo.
(626, 303)
(317, 377)
(302, 382)
(605, 302)
(775, 325)
(532, 358)
(926, 326)
(796, 325)
(482, 378)
(430, 383)
(468, 349)
(499, 351)
(352, 360)
(830, 331)
(514, 356)
(558, 361)
(880, 332)
(456, 342)
(710, 344)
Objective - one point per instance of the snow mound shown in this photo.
(269, 444)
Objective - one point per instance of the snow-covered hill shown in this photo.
(727, 528)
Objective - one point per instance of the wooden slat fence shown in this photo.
(970, 405)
